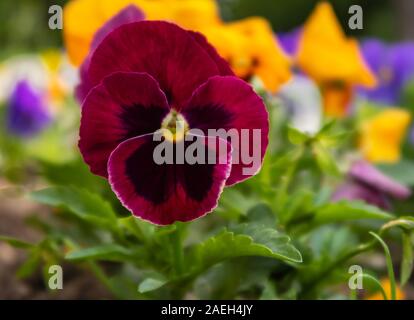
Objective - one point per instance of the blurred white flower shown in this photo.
(48, 72)
(302, 98)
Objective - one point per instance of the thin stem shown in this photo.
(390, 267)
(353, 295)
(377, 284)
(349, 255)
(177, 250)
(286, 181)
(332, 266)
(101, 276)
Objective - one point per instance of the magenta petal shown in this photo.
(366, 173)
(125, 105)
(222, 65)
(127, 15)
(165, 51)
(231, 104)
(165, 193)
(85, 85)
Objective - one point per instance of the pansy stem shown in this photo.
(177, 250)
(389, 263)
(102, 277)
(282, 193)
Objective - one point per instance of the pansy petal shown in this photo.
(222, 65)
(81, 19)
(85, 84)
(166, 193)
(230, 103)
(128, 15)
(165, 51)
(125, 105)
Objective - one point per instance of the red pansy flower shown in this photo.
(127, 15)
(148, 75)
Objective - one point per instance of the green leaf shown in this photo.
(151, 284)
(327, 127)
(407, 258)
(30, 265)
(261, 213)
(83, 204)
(334, 140)
(278, 243)
(245, 240)
(109, 252)
(297, 137)
(329, 242)
(348, 211)
(16, 243)
(298, 201)
(269, 291)
(234, 204)
(165, 230)
(73, 173)
(325, 160)
(139, 228)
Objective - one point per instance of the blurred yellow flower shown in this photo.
(191, 14)
(381, 136)
(332, 60)
(249, 45)
(386, 284)
(52, 59)
(82, 18)
(56, 89)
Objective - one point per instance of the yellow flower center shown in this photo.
(174, 126)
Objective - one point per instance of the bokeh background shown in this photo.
(24, 29)
(23, 23)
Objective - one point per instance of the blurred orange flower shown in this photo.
(248, 45)
(381, 136)
(332, 60)
(386, 284)
(82, 18)
(56, 89)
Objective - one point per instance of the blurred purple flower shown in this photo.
(394, 67)
(27, 114)
(368, 184)
(354, 191)
(290, 41)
